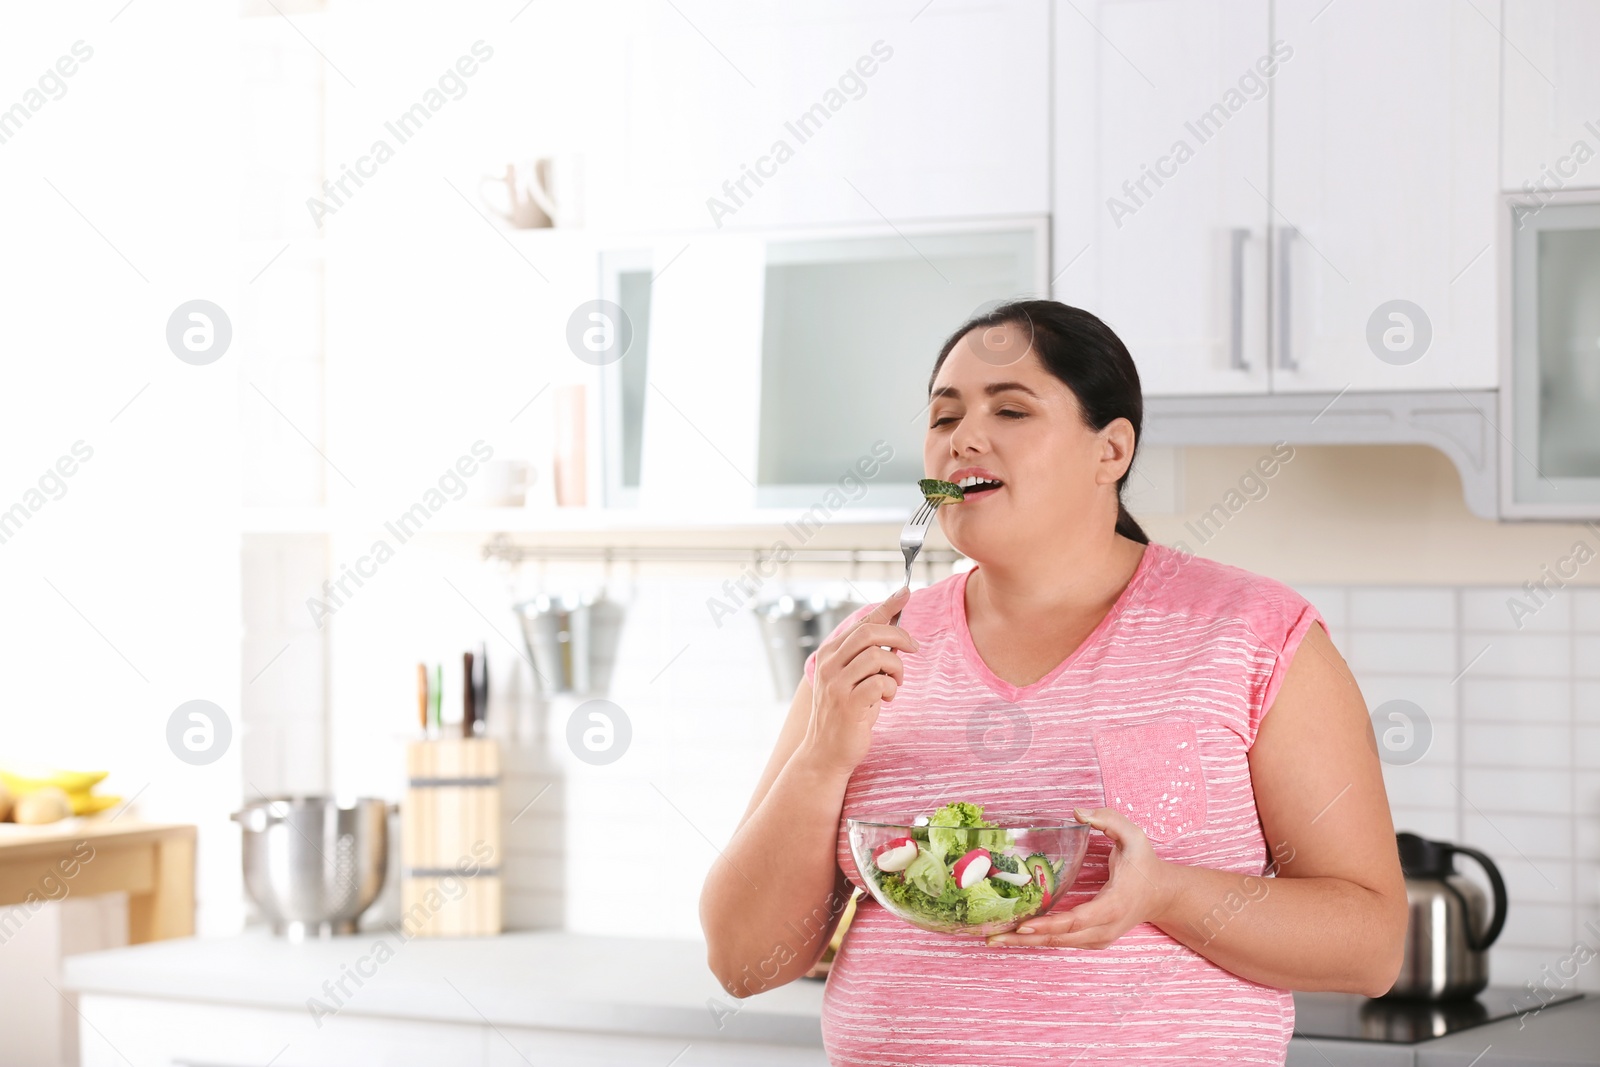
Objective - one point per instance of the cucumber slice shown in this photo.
(934, 489)
(1004, 862)
(1039, 866)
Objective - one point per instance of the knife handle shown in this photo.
(468, 694)
(480, 703)
(422, 697)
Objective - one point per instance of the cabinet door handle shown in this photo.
(1239, 235)
(1286, 237)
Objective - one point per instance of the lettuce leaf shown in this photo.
(927, 888)
(948, 908)
(985, 904)
(928, 873)
(960, 827)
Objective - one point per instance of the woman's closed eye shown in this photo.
(1008, 411)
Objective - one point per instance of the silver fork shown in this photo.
(911, 539)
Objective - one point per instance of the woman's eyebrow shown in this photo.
(989, 390)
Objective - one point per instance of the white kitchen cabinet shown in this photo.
(519, 1047)
(938, 113)
(1384, 189)
(1243, 187)
(118, 1030)
(1161, 162)
(789, 369)
(1551, 96)
(1550, 456)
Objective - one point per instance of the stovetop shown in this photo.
(1352, 1017)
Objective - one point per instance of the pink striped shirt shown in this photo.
(1153, 715)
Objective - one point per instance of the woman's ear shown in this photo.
(1116, 450)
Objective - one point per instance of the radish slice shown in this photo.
(1012, 877)
(971, 868)
(895, 855)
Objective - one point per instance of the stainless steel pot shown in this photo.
(1450, 927)
(313, 864)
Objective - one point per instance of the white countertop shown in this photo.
(543, 979)
(646, 986)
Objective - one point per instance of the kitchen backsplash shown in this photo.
(1512, 766)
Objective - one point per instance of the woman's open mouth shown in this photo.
(973, 488)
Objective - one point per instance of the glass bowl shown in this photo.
(1047, 849)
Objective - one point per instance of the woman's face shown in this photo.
(996, 408)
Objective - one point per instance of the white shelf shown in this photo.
(459, 520)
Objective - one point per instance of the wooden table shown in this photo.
(152, 862)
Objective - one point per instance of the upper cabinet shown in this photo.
(1550, 261)
(779, 370)
(1550, 460)
(755, 116)
(1384, 133)
(1551, 128)
(1240, 190)
(1161, 166)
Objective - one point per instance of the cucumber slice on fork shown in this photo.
(942, 491)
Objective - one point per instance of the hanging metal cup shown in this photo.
(596, 628)
(546, 631)
(792, 629)
(830, 612)
(785, 633)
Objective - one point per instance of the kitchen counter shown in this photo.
(152, 862)
(643, 995)
(1559, 1035)
(533, 979)
(378, 997)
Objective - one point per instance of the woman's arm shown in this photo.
(1335, 916)
(772, 900)
(774, 896)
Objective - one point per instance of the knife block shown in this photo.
(450, 840)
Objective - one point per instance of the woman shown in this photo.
(1076, 663)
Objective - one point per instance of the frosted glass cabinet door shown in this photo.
(1161, 178)
(1384, 184)
(1551, 466)
(851, 327)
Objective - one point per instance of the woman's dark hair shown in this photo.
(1084, 353)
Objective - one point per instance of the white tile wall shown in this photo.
(283, 667)
(704, 717)
(1514, 766)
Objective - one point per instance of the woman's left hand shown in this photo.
(1137, 889)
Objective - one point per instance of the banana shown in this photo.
(69, 782)
(87, 804)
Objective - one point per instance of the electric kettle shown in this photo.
(1449, 930)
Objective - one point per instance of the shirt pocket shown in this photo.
(1152, 774)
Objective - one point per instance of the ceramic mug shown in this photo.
(501, 483)
(535, 194)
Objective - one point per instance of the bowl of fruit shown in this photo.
(956, 872)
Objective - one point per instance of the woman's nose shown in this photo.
(966, 438)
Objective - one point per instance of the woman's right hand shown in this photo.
(854, 674)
